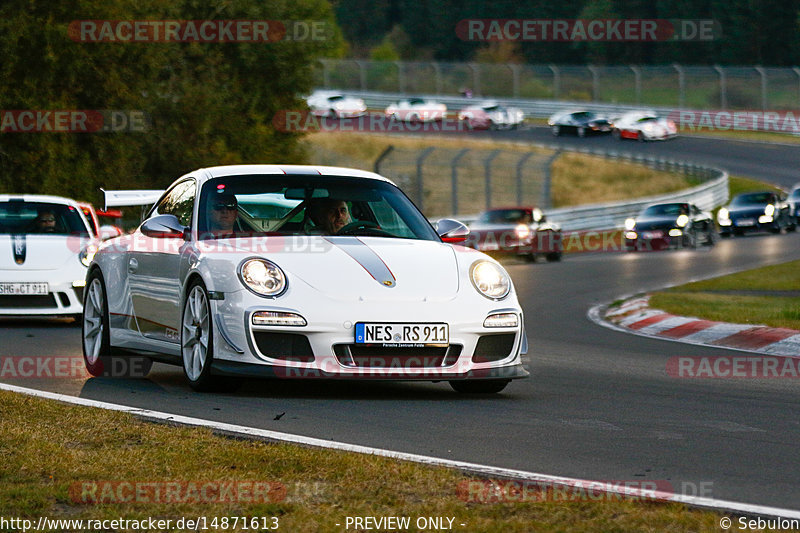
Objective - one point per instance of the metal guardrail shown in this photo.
(531, 108)
(680, 86)
(707, 196)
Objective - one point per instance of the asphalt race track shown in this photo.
(774, 163)
(599, 404)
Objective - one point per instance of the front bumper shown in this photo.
(63, 298)
(325, 347)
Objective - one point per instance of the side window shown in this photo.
(179, 202)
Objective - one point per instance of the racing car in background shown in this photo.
(492, 116)
(580, 122)
(756, 211)
(794, 203)
(46, 245)
(670, 225)
(644, 126)
(517, 231)
(335, 105)
(416, 110)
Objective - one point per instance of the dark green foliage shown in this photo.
(210, 103)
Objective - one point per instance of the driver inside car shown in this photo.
(329, 215)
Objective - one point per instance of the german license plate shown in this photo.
(391, 334)
(746, 222)
(652, 234)
(24, 288)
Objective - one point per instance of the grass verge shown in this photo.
(751, 297)
(48, 449)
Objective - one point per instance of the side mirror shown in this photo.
(538, 215)
(165, 227)
(452, 231)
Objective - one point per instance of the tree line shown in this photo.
(753, 32)
(193, 104)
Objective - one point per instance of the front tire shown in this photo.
(487, 386)
(96, 334)
(197, 343)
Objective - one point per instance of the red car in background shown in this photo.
(516, 231)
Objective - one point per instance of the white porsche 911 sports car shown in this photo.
(46, 244)
(301, 272)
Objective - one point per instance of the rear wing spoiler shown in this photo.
(128, 198)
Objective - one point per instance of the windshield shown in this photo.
(20, 217)
(753, 198)
(666, 210)
(308, 205)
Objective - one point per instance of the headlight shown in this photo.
(263, 277)
(682, 221)
(723, 214)
(87, 254)
(490, 280)
(522, 231)
(769, 210)
(630, 224)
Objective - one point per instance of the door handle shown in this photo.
(133, 264)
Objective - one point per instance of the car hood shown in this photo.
(373, 268)
(39, 252)
(747, 210)
(656, 223)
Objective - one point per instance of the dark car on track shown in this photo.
(794, 203)
(580, 122)
(517, 231)
(670, 225)
(756, 211)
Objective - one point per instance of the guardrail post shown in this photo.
(556, 80)
(797, 71)
(520, 164)
(548, 172)
(487, 165)
(681, 85)
(437, 68)
(637, 83)
(401, 78)
(362, 73)
(476, 77)
(763, 74)
(420, 185)
(454, 179)
(384, 155)
(595, 82)
(326, 73)
(723, 88)
(515, 78)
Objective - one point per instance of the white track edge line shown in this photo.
(521, 475)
